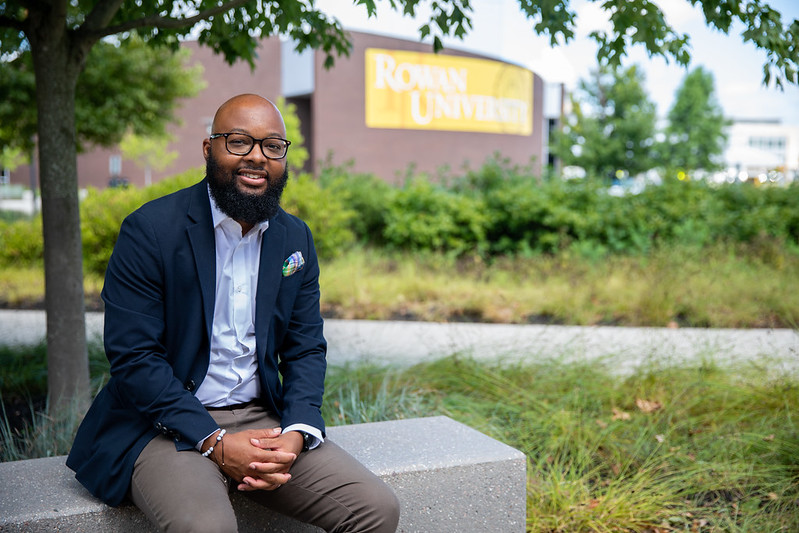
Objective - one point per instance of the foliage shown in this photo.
(327, 216)
(298, 153)
(695, 447)
(493, 212)
(229, 28)
(367, 196)
(715, 286)
(613, 126)
(21, 241)
(26, 431)
(11, 157)
(126, 87)
(148, 152)
(24, 374)
(17, 104)
(103, 211)
(695, 135)
(424, 216)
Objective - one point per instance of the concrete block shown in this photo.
(448, 477)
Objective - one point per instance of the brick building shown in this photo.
(389, 106)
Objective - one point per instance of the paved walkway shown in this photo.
(397, 342)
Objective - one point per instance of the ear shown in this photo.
(206, 148)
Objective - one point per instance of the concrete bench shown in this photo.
(448, 477)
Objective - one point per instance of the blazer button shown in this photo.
(190, 385)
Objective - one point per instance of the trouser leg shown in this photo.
(181, 491)
(328, 487)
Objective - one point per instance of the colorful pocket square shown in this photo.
(294, 263)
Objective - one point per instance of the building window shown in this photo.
(772, 144)
(5, 177)
(115, 165)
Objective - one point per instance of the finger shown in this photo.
(267, 433)
(246, 487)
(278, 461)
(270, 482)
(264, 444)
(265, 438)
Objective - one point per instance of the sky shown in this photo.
(500, 30)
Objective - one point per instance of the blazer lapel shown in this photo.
(269, 277)
(200, 230)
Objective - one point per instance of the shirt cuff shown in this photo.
(199, 445)
(310, 430)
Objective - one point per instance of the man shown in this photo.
(214, 336)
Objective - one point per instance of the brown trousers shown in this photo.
(183, 491)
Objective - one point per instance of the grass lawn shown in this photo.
(695, 447)
(718, 287)
(699, 448)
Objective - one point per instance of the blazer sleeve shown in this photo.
(303, 349)
(135, 322)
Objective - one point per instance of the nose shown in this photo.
(257, 154)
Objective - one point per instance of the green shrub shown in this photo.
(24, 370)
(424, 216)
(9, 216)
(365, 194)
(326, 214)
(21, 242)
(493, 211)
(102, 213)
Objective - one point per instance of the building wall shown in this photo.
(340, 131)
(333, 120)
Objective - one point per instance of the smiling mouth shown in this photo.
(252, 177)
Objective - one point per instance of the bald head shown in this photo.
(248, 109)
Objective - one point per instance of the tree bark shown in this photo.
(57, 64)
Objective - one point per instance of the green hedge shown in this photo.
(496, 210)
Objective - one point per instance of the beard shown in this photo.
(241, 206)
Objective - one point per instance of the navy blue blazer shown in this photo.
(159, 304)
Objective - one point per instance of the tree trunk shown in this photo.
(57, 66)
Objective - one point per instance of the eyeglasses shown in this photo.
(242, 144)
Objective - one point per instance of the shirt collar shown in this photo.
(218, 216)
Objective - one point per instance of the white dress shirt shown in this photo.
(232, 376)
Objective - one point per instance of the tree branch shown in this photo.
(101, 15)
(161, 22)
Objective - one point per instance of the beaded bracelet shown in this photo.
(210, 450)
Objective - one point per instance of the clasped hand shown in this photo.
(258, 459)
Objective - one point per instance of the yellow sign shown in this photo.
(414, 90)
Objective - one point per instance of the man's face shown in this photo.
(246, 188)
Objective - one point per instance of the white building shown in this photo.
(762, 150)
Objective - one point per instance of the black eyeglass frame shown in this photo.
(259, 142)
